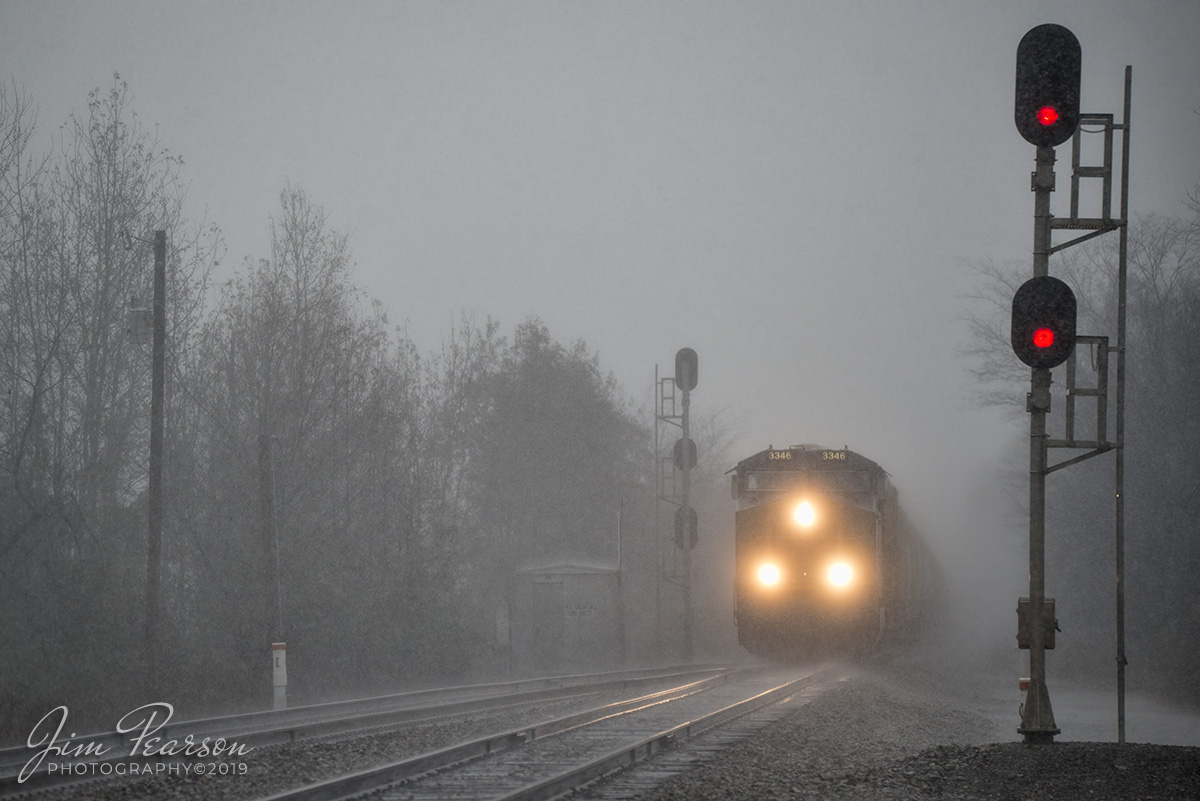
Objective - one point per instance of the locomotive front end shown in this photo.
(809, 533)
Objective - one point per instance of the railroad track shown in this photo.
(332, 720)
(564, 754)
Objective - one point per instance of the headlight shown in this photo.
(840, 574)
(804, 514)
(769, 575)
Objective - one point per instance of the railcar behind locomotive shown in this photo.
(826, 560)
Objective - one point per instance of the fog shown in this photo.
(801, 192)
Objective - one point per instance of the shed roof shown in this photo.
(565, 568)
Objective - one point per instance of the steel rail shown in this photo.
(624, 757)
(379, 777)
(338, 717)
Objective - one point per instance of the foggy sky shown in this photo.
(792, 189)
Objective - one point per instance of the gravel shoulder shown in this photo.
(886, 733)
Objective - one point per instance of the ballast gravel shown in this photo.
(880, 732)
(275, 768)
(877, 736)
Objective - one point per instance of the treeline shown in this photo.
(1162, 461)
(407, 487)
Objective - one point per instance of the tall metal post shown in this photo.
(1037, 717)
(1120, 467)
(154, 514)
(658, 492)
(688, 643)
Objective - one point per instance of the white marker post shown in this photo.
(279, 660)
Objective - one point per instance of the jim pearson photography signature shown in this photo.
(143, 723)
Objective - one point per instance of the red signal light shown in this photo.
(1043, 321)
(1047, 115)
(1043, 338)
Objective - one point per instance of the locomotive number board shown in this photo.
(825, 456)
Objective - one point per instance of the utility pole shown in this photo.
(154, 540)
(270, 539)
(273, 598)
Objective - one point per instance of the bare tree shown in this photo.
(75, 434)
(27, 348)
(1163, 439)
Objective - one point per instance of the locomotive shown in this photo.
(827, 562)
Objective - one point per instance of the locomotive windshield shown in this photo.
(841, 480)
(774, 480)
(828, 480)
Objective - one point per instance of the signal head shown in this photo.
(1047, 89)
(686, 369)
(1043, 322)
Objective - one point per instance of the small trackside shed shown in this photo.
(565, 618)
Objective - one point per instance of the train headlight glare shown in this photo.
(804, 514)
(769, 575)
(840, 574)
